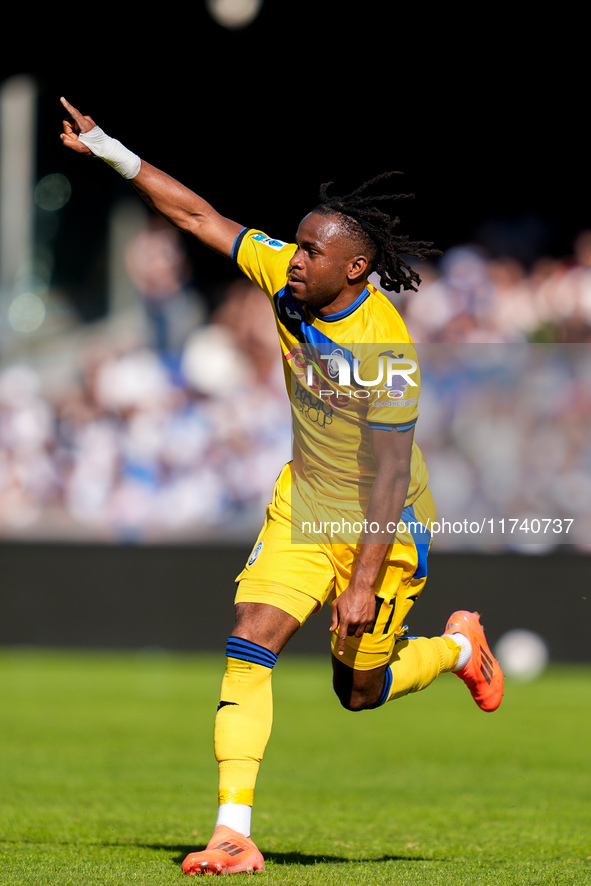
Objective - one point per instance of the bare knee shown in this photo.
(357, 690)
(266, 625)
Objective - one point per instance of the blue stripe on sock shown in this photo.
(236, 647)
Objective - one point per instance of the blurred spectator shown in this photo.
(140, 447)
(474, 299)
(160, 271)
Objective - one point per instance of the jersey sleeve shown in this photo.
(394, 402)
(264, 260)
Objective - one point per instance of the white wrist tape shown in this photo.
(111, 151)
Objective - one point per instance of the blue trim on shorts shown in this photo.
(385, 691)
(421, 537)
(236, 647)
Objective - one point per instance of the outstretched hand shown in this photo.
(72, 127)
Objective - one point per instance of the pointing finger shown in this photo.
(71, 110)
(84, 123)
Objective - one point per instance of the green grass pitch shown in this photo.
(107, 776)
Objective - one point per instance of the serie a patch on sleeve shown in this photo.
(269, 241)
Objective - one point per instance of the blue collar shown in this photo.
(340, 315)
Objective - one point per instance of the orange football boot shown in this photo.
(228, 852)
(482, 675)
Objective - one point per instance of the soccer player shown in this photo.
(349, 518)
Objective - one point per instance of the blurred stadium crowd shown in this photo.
(174, 424)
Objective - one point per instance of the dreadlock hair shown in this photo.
(363, 219)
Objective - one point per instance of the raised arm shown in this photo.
(166, 196)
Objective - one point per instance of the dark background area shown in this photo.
(482, 111)
(181, 598)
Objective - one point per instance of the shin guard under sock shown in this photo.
(244, 719)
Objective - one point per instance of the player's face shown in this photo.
(323, 265)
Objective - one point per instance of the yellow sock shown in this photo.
(243, 721)
(416, 663)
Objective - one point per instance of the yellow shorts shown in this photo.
(299, 577)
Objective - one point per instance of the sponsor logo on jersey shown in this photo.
(410, 402)
(269, 241)
(396, 386)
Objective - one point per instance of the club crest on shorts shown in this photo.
(255, 553)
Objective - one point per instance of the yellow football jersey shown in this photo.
(346, 373)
